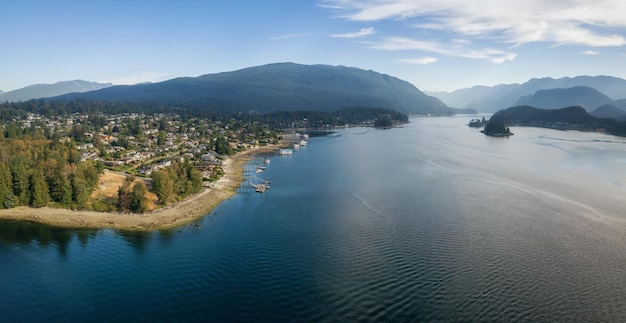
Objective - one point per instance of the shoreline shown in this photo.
(175, 215)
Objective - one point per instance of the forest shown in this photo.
(38, 172)
(570, 118)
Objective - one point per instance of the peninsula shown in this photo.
(175, 215)
(569, 118)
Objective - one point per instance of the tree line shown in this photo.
(176, 182)
(37, 172)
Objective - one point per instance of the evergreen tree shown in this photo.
(9, 201)
(162, 186)
(21, 181)
(161, 138)
(138, 199)
(38, 189)
(60, 187)
(195, 178)
(221, 146)
(80, 192)
(6, 185)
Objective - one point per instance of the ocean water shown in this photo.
(429, 222)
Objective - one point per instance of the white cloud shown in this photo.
(138, 78)
(590, 52)
(598, 23)
(419, 61)
(361, 33)
(455, 49)
(289, 36)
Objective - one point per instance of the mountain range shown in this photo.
(38, 91)
(491, 99)
(279, 86)
(582, 96)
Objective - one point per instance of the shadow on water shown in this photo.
(136, 239)
(26, 233)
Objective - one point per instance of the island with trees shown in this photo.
(496, 129)
(570, 118)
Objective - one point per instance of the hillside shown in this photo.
(570, 118)
(47, 90)
(275, 87)
(620, 104)
(609, 111)
(491, 99)
(527, 115)
(582, 96)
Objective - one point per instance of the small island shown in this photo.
(496, 129)
(569, 118)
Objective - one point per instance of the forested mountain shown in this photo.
(582, 96)
(570, 118)
(620, 104)
(47, 90)
(491, 99)
(609, 111)
(276, 87)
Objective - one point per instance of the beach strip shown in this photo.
(178, 214)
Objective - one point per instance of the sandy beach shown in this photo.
(168, 217)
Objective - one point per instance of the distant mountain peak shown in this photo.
(491, 99)
(37, 91)
(583, 96)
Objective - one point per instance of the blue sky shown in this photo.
(434, 44)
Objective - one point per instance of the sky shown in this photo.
(437, 45)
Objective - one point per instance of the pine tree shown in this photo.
(39, 189)
(60, 187)
(20, 174)
(80, 193)
(6, 186)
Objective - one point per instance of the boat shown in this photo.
(296, 146)
(285, 151)
(267, 161)
(303, 142)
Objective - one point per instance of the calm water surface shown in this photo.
(430, 222)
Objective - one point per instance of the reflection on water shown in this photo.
(26, 233)
(430, 222)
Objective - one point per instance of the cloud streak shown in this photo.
(419, 61)
(359, 34)
(577, 22)
(454, 27)
(456, 49)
